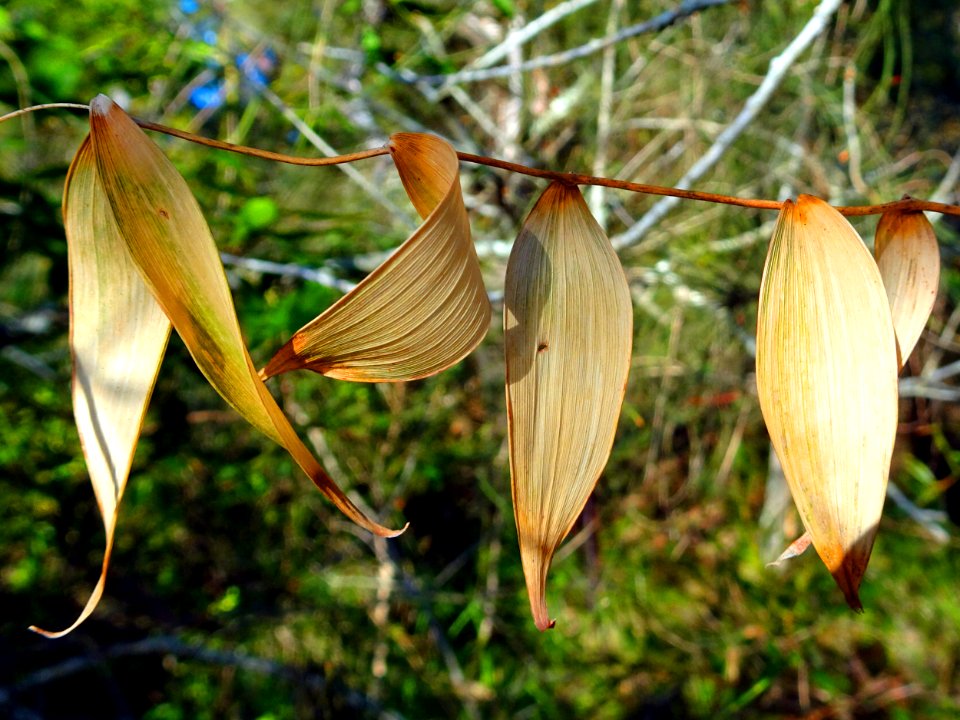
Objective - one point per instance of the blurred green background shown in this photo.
(237, 591)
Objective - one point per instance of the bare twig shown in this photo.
(165, 645)
(324, 147)
(518, 37)
(22, 82)
(754, 104)
(929, 520)
(850, 128)
(656, 24)
(597, 205)
(44, 106)
(268, 267)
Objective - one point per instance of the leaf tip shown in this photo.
(47, 633)
(101, 105)
(396, 533)
(848, 577)
(544, 623)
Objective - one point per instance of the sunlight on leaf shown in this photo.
(117, 337)
(568, 323)
(909, 260)
(827, 381)
(171, 244)
(425, 308)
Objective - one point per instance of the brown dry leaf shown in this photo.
(568, 323)
(169, 241)
(909, 260)
(117, 337)
(425, 308)
(827, 381)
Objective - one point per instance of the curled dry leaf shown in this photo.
(827, 381)
(425, 308)
(171, 245)
(117, 337)
(568, 323)
(909, 260)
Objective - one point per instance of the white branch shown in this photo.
(754, 104)
(518, 37)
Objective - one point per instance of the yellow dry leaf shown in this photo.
(117, 337)
(425, 308)
(827, 381)
(568, 323)
(172, 247)
(909, 260)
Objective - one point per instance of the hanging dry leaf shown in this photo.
(117, 337)
(425, 308)
(909, 261)
(169, 241)
(568, 323)
(827, 381)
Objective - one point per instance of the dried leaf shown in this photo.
(827, 381)
(909, 261)
(425, 308)
(568, 323)
(117, 337)
(169, 241)
(795, 549)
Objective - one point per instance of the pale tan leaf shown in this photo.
(568, 323)
(827, 381)
(424, 308)
(117, 337)
(909, 261)
(795, 549)
(171, 244)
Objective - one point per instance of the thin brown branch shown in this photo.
(45, 106)
(262, 154)
(580, 179)
(756, 203)
(565, 177)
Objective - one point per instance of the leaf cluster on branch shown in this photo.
(143, 261)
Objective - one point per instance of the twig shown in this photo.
(268, 267)
(673, 193)
(660, 22)
(518, 37)
(850, 128)
(331, 159)
(597, 205)
(929, 520)
(931, 385)
(44, 106)
(754, 104)
(324, 147)
(313, 679)
(946, 187)
(22, 82)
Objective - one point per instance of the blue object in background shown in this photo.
(189, 7)
(209, 96)
(260, 67)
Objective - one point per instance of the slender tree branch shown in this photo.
(754, 104)
(671, 193)
(580, 179)
(262, 154)
(660, 22)
(312, 678)
(45, 106)
(518, 37)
